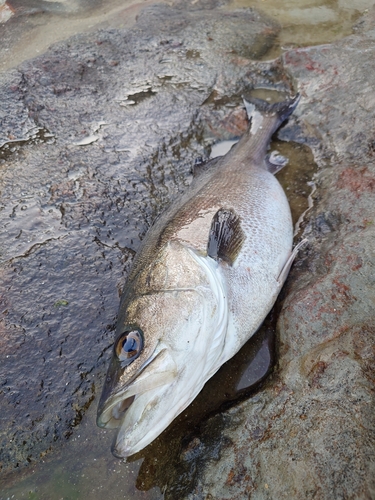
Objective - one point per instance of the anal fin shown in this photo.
(226, 236)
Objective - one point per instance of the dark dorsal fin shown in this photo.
(226, 236)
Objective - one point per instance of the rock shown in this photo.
(310, 431)
(97, 136)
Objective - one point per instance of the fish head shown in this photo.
(170, 338)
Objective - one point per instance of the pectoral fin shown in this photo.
(226, 236)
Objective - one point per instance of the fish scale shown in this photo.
(205, 277)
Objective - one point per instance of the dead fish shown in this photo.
(207, 274)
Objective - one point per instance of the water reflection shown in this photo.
(309, 22)
(29, 27)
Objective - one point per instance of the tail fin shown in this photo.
(265, 119)
(282, 109)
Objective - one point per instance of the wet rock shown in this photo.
(310, 431)
(97, 136)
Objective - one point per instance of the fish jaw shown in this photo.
(182, 363)
(158, 371)
(147, 417)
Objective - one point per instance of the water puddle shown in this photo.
(309, 22)
(29, 28)
(84, 469)
(35, 136)
(135, 98)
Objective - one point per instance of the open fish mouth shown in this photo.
(134, 419)
(130, 417)
(124, 408)
(113, 416)
(118, 411)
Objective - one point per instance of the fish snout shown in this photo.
(118, 396)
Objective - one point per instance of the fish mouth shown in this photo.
(157, 374)
(113, 415)
(136, 431)
(147, 417)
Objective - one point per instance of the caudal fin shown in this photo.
(282, 109)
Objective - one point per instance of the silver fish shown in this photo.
(207, 274)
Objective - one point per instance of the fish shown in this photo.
(205, 277)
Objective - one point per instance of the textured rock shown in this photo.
(97, 135)
(310, 432)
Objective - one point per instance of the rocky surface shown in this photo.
(310, 432)
(97, 136)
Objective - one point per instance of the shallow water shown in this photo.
(310, 22)
(27, 28)
(84, 467)
(30, 27)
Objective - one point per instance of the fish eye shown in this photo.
(128, 346)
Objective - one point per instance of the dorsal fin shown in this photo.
(226, 236)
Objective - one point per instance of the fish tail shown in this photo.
(282, 109)
(264, 119)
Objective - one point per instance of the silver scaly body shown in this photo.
(207, 274)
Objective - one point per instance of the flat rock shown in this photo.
(97, 136)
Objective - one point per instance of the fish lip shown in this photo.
(108, 402)
(116, 453)
(124, 452)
